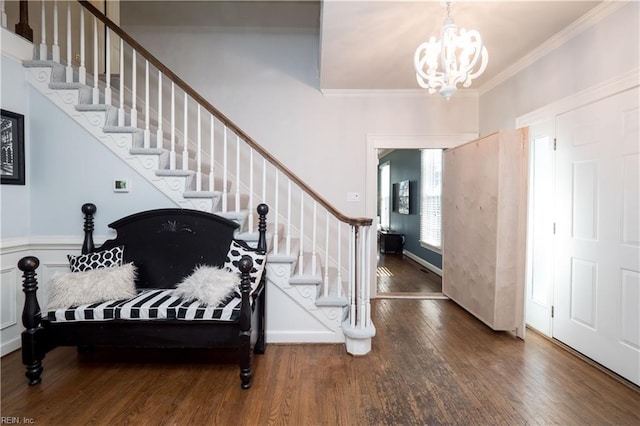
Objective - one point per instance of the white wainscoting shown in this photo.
(52, 252)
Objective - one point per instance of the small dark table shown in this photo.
(391, 242)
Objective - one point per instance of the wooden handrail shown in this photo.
(354, 221)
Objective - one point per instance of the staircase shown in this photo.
(318, 261)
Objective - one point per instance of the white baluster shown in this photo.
(339, 278)
(3, 15)
(313, 241)
(361, 280)
(147, 130)
(326, 256)
(82, 70)
(199, 153)
(96, 89)
(367, 281)
(275, 216)
(224, 171)
(352, 277)
(301, 256)
(107, 89)
(121, 86)
(288, 241)
(159, 132)
(237, 173)
(172, 153)
(185, 144)
(55, 49)
(69, 68)
(250, 207)
(43, 33)
(211, 157)
(134, 90)
(264, 180)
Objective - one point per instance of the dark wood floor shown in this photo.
(399, 274)
(431, 363)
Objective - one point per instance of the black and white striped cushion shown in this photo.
(150, 304)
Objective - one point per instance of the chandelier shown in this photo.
(443, 64)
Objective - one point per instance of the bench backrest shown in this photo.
(166, 245)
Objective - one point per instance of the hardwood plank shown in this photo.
(431, 363)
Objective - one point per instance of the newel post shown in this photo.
(31, 317)
(89, 210)
(263, 209)
(22, 28)
(245, 265)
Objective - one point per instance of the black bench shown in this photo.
(165, 246)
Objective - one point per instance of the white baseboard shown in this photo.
(10, 346)
(422, 262)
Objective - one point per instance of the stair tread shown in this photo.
(201, 194)
(60, 85)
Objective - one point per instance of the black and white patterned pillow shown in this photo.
(236, 251)
(101, 259)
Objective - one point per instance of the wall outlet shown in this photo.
(353, 197)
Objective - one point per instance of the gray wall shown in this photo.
(405, 164)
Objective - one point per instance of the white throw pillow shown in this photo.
(207, 284)
(68, 289)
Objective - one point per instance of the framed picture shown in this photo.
(12, 150)
(403, 197)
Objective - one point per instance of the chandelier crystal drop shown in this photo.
(458, 57)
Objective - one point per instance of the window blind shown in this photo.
(431, 201)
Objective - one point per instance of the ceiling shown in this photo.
(369, 45)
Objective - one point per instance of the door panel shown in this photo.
(596, 284)
(539, 281)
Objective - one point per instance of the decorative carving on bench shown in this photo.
(165, 246)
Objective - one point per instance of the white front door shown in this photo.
(597, 251)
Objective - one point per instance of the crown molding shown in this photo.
(583, 23)
(461, 93)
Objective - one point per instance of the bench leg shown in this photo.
(31, 358)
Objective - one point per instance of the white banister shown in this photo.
(159, 132)
(326, 255)
(43, 33)
(250, 207)
(361, 276)
(339, 278)
(264, 180)
(185, 134)
(365, 284)
(199, 152)
(237, 198)
(107, 89)
(224, 170)
(69, 67)
(301, 256)
(55, 49)
(276, 213)
(147, 130)
(3, 15)
(352, 276)
(172, 153)
(134, 89)
(288, 240)
(211, 156)
(121, 86)
(82, 70)
(96, 89)
(314, 233)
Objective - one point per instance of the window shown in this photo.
(385, 195)
(430, 200)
